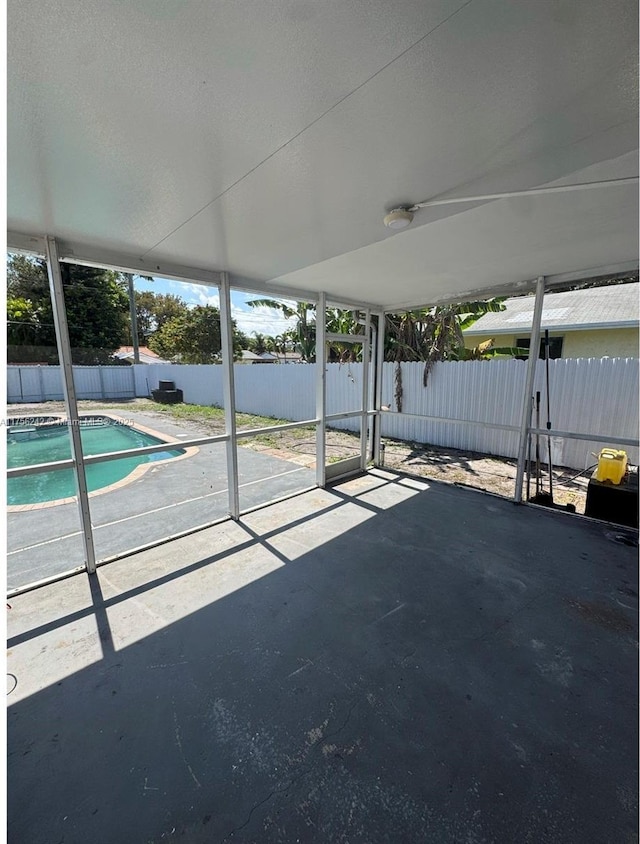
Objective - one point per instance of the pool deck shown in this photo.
(163, 499)
(388, 660)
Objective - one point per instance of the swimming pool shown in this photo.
(44, 443)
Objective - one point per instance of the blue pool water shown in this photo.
(29, 445)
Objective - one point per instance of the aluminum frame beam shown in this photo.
(86, 256)
(344, 338)
(321, 389)
(377, 401)
(594, 438)
(522, 287)
(31, 244)
(64, 351)
(496, 425)
(364, 418)
(229, 393)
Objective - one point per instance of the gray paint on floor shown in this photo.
(389, 660)
(170, 497)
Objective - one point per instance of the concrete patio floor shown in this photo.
(387, 660)
(169, 498)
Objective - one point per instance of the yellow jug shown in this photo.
(612, 465)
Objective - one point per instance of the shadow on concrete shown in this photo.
(436, 672)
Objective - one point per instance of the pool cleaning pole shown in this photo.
(537, 443)
(525, 418)
(546, 358)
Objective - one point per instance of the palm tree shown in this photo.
(259, 343)
(280, 343)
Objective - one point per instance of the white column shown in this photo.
(321, 387)
(229, 392)
(66, 365)
(364, 423)
(379, 368)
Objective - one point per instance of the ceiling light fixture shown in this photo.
(399, 218)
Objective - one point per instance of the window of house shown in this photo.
(555, 347)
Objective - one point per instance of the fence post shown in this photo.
(101, 377)
(534, 349)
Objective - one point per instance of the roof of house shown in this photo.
(145, 354)
(275, 357)
(615, 306)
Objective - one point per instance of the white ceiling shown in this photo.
(269, 137)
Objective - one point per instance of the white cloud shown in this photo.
(261, 320)
(196, 294)
(258, 320)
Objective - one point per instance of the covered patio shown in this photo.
(384, 660)
(377, 658)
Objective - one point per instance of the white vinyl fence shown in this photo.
(587, 395)
(44, 383)
(595, 395)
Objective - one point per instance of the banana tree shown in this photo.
(431, 335)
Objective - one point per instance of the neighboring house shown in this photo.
(279, 357)
(250, 357)
(594, 323)
(125, 353)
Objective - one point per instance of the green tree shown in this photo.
(23, 321)
(194, 337)
(96, 303)
(154, 310)
(27, 277)
(240, 341)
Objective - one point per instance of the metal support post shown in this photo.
(534, 346)
(64, 352)
(321, 388)
(134, 318)
(372, 399)
(378, 369)
(229, 391)
(364, 419)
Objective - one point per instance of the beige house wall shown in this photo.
(592, 343)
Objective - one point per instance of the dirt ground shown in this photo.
(481, 471)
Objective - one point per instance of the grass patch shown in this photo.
(208, 413)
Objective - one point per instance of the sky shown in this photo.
(258, 320)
